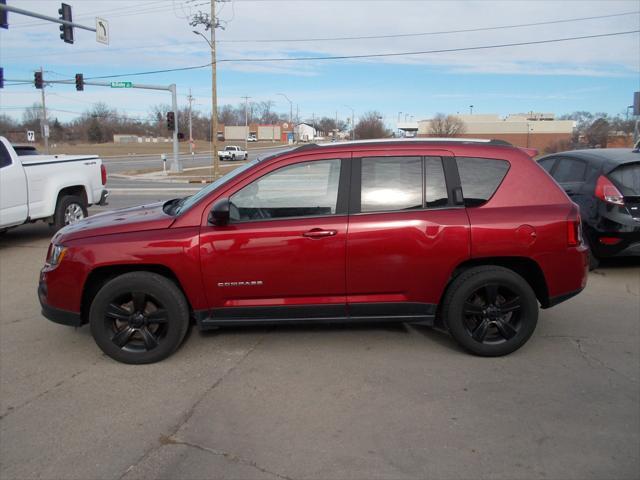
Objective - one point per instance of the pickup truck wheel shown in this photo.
(233, 158)
(139, 317)
(70, 209)
(490, 310)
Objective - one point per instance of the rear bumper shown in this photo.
(553, 301)
(633, 250)
(103, 197)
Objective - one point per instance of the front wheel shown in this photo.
(70, 209)
(139, 317)
(490, 311)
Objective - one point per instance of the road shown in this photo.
(327, 402)
(140, 162)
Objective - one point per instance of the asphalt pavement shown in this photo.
(129, 163)
(320, 402)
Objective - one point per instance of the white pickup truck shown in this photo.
(54, 188)
(233, 153)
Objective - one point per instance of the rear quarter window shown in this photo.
(480, 178)
(627, 179)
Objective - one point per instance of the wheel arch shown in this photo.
(101, 275)
(523, 266)
(77, 190)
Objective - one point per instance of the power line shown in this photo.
(441, 32)
(425, 52)
(364, 37)
(369, 55)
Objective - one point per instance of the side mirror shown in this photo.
(219, 214)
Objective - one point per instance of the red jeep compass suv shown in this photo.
(469, 234)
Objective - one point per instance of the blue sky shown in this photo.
(598, 74)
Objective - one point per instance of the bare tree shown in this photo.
(370, 126)
(446, 126)
(598, 133)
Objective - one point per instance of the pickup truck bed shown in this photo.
(48, 187)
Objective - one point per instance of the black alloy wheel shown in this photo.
(490, 310)
(138, 322)
(139, 317)
(492, 314)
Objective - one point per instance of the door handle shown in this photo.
(319, 233)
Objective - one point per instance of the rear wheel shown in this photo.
(70, 209)
(490, 311)
(139, 317)
(594, 261)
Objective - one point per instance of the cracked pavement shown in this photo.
(322, 402)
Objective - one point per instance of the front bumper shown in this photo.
(56, 315)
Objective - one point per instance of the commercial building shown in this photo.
(534, 130)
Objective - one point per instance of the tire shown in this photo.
(246, 157)
(490, 311)
(129, 337)
(233, 158)
(594, 261)
(70, 209)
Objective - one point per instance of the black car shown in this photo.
(605, 183)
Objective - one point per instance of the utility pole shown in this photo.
(214, 92)
(246, 123)
(210, 23)
(190, 98)
(353, 122)
(290, 112)
(44, 126)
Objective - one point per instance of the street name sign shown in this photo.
(121, 84)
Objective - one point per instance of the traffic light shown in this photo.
(79, 82)
(66, 30)
(1, 77)
(171, 121)
(37, 79)
(4, 16)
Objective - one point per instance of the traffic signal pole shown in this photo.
(177, 162)
(61, 21)
(44, 126)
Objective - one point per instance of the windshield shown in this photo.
(193, 199)
(230, 148)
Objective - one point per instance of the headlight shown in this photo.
(56, 255)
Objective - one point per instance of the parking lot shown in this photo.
(325, 402)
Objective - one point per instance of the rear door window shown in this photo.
(627, 179)
(436, 194)
(570, 170)
(547, 163)
(480, 178)
(391, 183)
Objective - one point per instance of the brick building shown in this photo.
(534, 130)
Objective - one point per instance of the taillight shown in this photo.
(103, 173)
(574, 228)
(610, 240)
(607, 191)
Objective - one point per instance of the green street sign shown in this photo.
(121, 84)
